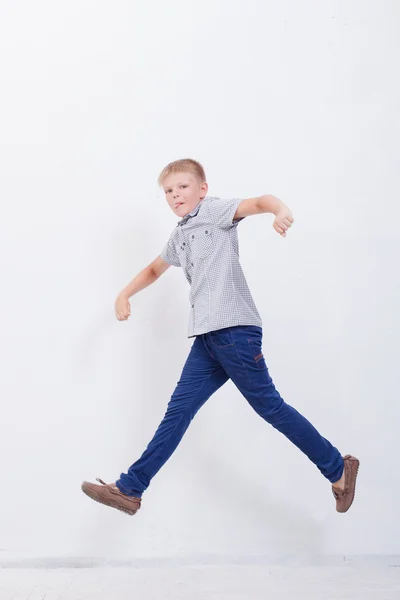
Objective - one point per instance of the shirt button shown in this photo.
(206, 231)
(191, 264)
(192, 237)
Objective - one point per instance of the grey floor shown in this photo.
(208, 582)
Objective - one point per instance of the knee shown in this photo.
(270, 406)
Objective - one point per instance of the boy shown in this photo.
(228, 336)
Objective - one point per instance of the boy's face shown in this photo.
(183, 192)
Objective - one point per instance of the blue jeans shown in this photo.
(232, 353)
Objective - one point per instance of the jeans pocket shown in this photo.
(222, 338)
(257, 353)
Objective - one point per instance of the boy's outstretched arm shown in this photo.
(267, 204)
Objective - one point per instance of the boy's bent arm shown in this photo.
(259, 205)
(267, 204)
(146, 277)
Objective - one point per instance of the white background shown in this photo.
(297, 99)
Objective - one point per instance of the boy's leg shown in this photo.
(202, 375)
(239, 351)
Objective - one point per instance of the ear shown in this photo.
(204, 187)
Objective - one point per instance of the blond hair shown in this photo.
(184, 165)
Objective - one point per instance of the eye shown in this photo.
(183, 186)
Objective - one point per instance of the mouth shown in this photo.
(178, 205)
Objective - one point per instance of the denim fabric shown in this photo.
(231, 353)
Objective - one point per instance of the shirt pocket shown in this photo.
(180, 248)
(201, 242)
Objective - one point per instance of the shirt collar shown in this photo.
(192, 214)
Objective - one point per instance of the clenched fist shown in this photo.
(122, 308)
(283, 221)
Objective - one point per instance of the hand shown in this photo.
(122, 308)
(283, 221)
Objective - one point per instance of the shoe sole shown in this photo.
(99, 498)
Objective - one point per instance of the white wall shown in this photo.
(300, 100)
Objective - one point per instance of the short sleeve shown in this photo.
(222, 211)
(169, 255)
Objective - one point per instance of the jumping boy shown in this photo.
(228, 334)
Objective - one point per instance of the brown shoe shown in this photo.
(109, 494)
(345, 497)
